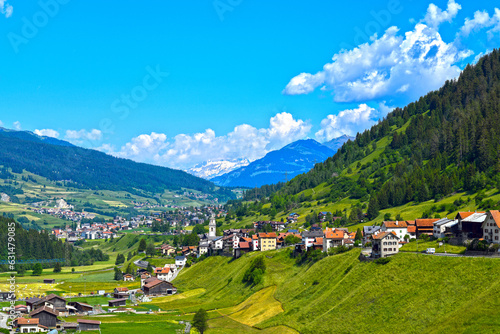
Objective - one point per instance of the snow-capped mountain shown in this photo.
(210, 169)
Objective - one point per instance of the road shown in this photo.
(3, 320)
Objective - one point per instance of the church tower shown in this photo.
(212, 225)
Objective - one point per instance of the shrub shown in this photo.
(382, 260)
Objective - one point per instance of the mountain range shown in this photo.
(210, 169)
(78, 167)
(277, 166)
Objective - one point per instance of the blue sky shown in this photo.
(177, 83)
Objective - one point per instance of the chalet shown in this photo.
(267, 241)
(398, 227)
(491, 227)
(180, 261)
(117, 302)
(157, 287)
(49, 281)
(88, 325)
(47, 316)
(385, 244)
(128, 277)
(167, 250)
(81, 307)
(309, 237)
(425, 226)
(29, 325)
(470, 223)
(31, 302)
(54, 301)
(332, 238)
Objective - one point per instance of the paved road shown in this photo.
(3, 320)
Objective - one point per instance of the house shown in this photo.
(368, 231)
(203, 247)
(491, 227)
(164, 274)
(31, 302)
(412, 231)
(385, 244)
(398, 227)
(309, 237)
(167, 250)
(120, 292)
(245, 247)
(128, 277)
(47, 316)
(333, 238)
(267, 241)
(180, 261)
(470, 224)
(88, 325)
(441, 226)
(117, 302)
(29, 325)
(425, 226)
(22, 309)
(156, 287)
(81, 307)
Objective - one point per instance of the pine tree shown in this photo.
(57, 267)
(373, 208)
(142, 245)
(200, 321)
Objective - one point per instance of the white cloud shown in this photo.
(47, 133)
(17, 125)
(481, 20)
(6, 9)
(409, 64)
(435, 16)
(81, 136)
(187, 150)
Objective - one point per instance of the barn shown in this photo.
(88, 325)
(46, 315)
(49, 281)
(81, 307)
(156, 287)
(117, 302)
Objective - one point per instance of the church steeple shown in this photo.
(212, 226)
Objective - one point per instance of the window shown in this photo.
(496, 238)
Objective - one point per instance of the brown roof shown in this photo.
(69, 324)
(24, 321)
(86, 321)
(153, 283)
(395, 224)
(244, 245)
(46, 309)
(121, 289)
(267, 235)
(495, 214)
(428, 222)
(412, 229)
(117, 300)
(382, 235)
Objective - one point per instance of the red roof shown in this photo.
(429, 222)
(331, 233)
(162, 270)
(267, 235)
(121, 289)
(382, 235)
(395, 224)
(24, 321)
(412, 229)
(86, 321)
(245, 245)
(495, 214)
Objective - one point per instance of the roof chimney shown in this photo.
(397, 223)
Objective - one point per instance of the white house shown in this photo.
(491, 227)
(164, 274)
(309, 237)
(180, 261)
(29, 325)
(400, 228)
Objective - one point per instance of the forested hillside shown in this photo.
(447, 141)
(90, 169)
(39, 245)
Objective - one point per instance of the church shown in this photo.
(210, 243)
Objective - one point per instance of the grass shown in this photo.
(341, 294)
(422, 246)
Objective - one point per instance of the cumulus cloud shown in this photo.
(409, 64)
(17, 125)
(6, 9)
(481, 20)
(47, 133)
(81, 136)
(435, 16)
(187, 150)
(351, 121)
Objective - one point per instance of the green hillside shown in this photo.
(413, 293)
(434, 157)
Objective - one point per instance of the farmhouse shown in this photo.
(47, 316)
(470, 223)
(491, 227)
(333, 238)
(156, 287)
(164, 274)
(29, 325)
(88, 325)
(385, 244)
(398, 227)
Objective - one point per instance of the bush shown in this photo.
(255, 273)
(382, 260)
